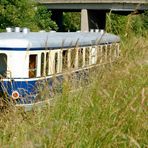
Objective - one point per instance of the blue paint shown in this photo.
(28, 90)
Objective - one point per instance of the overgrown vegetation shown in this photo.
(120, 24)
(110, 112)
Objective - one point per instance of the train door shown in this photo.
(3, 65)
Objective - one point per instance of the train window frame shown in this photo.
(117, 50)
(87, 56)
(80, 57)
(99, 54)
(109, 53)
(65, 60)
(4, 65)
(33, 65)
(104, 53)
(73, 54)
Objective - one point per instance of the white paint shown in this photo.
(15, 43)
(18, 64)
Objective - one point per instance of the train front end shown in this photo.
(15, 85)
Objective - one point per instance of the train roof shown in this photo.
(54, 40)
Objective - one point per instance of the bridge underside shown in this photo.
(98, 6)
(93, 15)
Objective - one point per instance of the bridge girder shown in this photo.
(96, 10)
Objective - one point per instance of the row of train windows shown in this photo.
(59, 61)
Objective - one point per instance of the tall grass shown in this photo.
(111, 111)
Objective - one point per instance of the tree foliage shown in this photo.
(71, 21)
(43, 19)
(119, 24)
(25, 13)
(145, 19)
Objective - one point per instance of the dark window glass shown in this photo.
(73, 57)
(99, 54)
(80, 57)
(56, 62)
(65, 60)
(47, 63)
(42, 64)
(87, 54)
(32, 66)
(3, 64)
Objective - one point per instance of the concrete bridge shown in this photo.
(93, 12)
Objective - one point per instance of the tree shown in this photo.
(71, 21)
(43, 19)
(24, 13)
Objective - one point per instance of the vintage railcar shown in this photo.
(28, 59)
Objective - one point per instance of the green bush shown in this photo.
(123, 25)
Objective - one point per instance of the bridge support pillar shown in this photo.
(84, 20)
(92, 19)
(57, 16)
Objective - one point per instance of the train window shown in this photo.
(104, 49)
(65, 59)
(56, 62)
(80, 57)
(113, 48)
(106, 53)
(42, 64)
(3, 64)
(47, 63)
(117, 50)
(32, 65)
(87, 54)
(73, 57)
(99, 54)
(109, 52)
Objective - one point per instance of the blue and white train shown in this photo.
(29, 58)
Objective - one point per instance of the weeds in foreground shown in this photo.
(111, 112)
